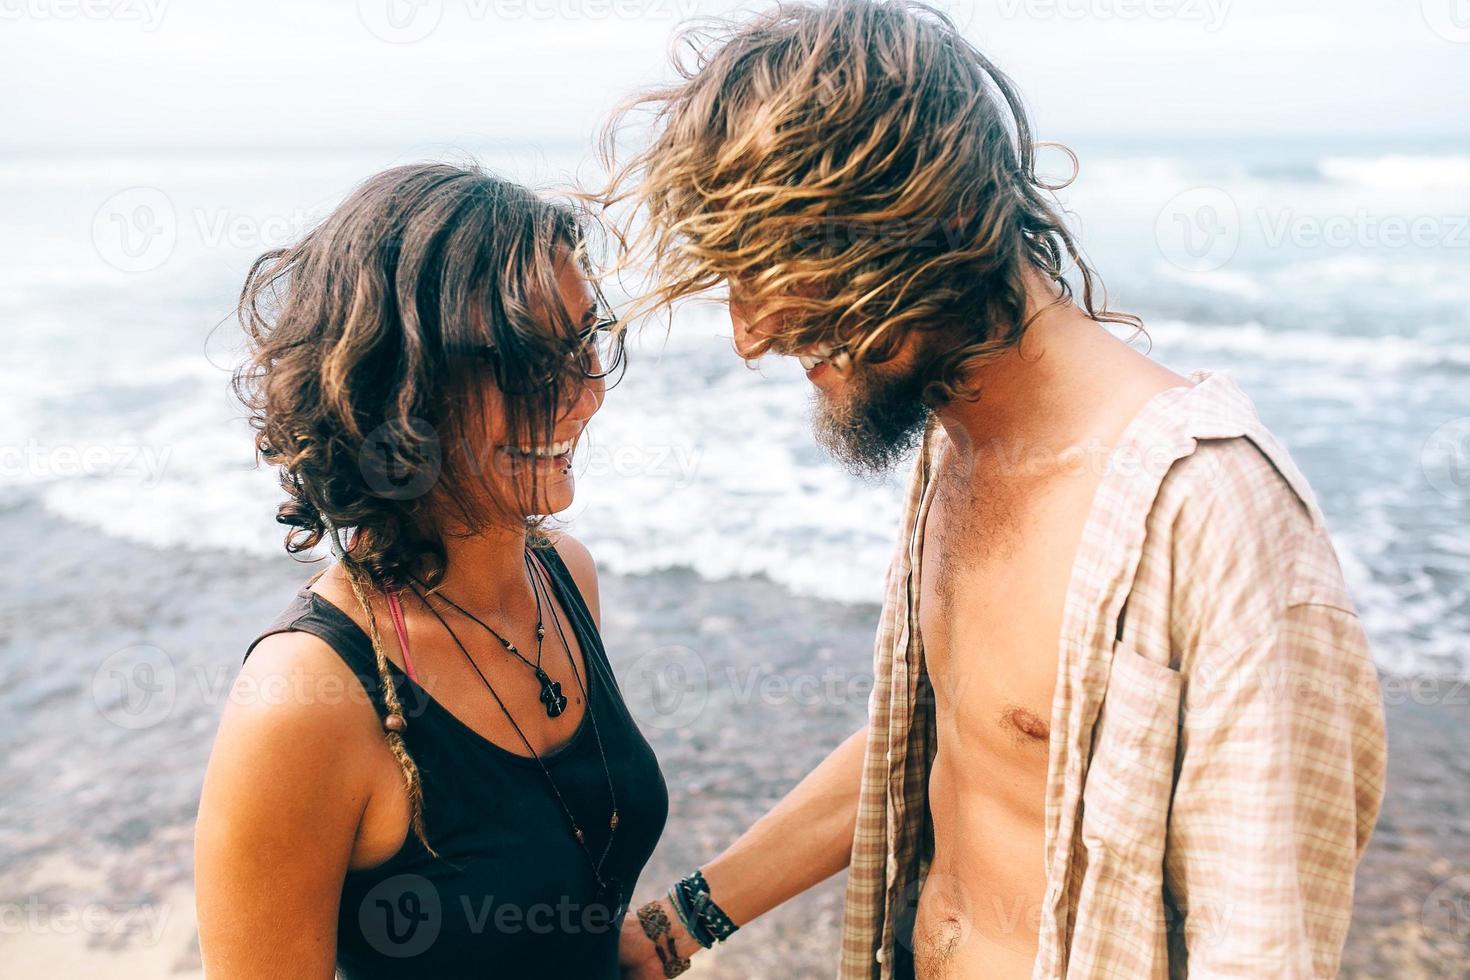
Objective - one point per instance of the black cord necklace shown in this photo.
(551, 696)
(609, 889)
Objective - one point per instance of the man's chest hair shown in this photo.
(975, 537)
(973, 526)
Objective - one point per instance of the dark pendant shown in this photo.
(551, 695)
(609, 894)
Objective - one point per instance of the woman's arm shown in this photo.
(803, 840)
(283, 796)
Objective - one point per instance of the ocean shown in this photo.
(1332, 278)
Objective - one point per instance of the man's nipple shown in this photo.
(1025, 724)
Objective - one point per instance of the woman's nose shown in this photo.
(587, 397)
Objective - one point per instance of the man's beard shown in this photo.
(876, 422)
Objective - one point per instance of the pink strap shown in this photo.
(395, 609)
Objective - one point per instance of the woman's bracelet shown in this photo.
(705, 920)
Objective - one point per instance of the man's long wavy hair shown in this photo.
(856, 167)
(358, 385)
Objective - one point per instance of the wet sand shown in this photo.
(741, 688)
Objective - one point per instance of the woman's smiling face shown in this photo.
(539, 476)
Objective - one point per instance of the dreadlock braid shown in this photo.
(394, 724)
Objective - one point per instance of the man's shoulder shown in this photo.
(1224, 476)
(1241, 517)
(1236, 480)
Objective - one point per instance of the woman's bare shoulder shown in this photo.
(578, 559)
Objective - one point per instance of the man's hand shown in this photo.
(759, 871)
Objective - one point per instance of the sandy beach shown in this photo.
(740, 686)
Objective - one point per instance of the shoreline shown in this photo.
(740, 686)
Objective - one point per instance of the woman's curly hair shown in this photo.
(855, 166)
(362, 382)
(359, 381)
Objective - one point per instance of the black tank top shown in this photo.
(511, 893)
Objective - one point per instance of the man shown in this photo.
(1125, 722)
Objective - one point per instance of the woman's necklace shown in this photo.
(551, 697)
(609, 889)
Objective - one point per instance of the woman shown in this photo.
(426, 768)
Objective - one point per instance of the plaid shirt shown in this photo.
(1217, 748)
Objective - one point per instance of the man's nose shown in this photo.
(746, 338)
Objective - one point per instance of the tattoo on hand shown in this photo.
(656, 927)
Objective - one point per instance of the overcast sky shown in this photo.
(193, 73)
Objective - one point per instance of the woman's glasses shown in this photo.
(597, 351)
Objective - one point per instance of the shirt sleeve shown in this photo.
(1281, 767)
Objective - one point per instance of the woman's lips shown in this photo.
(551, 462)
(519, 458)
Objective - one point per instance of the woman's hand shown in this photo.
(637, 954)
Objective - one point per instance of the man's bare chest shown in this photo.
(994, 576)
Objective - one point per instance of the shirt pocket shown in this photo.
(1130, 776)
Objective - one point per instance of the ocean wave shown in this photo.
(1227, 281)
(1386, 172)
(698, 463)
(1384, 352)
(1115, 173)
(826, 550)
(1287, 171)
(1399, 171)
